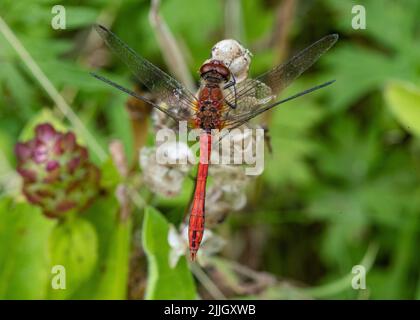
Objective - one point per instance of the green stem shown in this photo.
(50, 89)
(207, 282)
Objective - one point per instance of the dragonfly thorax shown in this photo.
(210, 102)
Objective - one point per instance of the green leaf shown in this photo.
(344, 283)
(351, 153)
(404, 254)
(19, 88)
(291, 142)
(24, 267)
(44, 116)
(398, 18)
(7, 156)
(358, 71)
(404, 101)
(163, 281)
(119, 123)
(109, 279)
(110, 176)
(79, 16)
(73, 244)
(113, 280)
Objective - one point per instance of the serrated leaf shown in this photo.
(358, 71)
(351, 152)
(404, 101)
(290, 141)
(398, 19)
(164, 282)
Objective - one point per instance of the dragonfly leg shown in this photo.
(267, 138)
(233, 106)
(228, 85)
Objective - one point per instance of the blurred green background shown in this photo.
(340, 189)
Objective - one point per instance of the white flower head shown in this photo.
(165, 178)
(235, 56)
(237, 143)
(177, 155)
(178, 241)
(227, 194)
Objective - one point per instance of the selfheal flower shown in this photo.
(56, 172)
(210, 245)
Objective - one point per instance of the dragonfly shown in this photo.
(214, 106)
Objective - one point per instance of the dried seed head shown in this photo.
(227, 193)
(235, 56)
(167, 178)
(237, 144)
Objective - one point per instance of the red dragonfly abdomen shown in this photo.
(196, 224)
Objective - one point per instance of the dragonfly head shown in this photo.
(214, 71)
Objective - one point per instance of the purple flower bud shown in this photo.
(32, 197)
(45, 193)
(52, 165)
(56, 171)
(65, 143)
(73, 164)
(22, 151)
(45, 132)
(27, 175)
(65, 205)
(40, 154)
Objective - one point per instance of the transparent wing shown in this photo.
(170, 94)
(253, 95)
(243, 118)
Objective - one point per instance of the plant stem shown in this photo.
(50, 89)
(171, 51)
(330, 289)
(207, 282)
(233, 20)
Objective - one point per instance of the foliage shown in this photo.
(164, 282)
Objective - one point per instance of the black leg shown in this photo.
(230, 84)
(230, 105)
